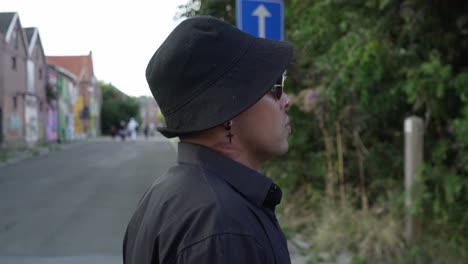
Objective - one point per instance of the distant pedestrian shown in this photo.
(132, 126)
(146, 131)
(151, 129)
(122, 130)
(221, 92)
(113, 131)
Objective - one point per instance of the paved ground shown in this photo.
(71, 205)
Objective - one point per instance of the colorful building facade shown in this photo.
(62, 83)
(43, 99)
(88, 100)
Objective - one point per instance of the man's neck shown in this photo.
(230, 150)
(236, 153)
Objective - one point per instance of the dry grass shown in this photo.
(336, 228)
(375, 236)
(377, 239)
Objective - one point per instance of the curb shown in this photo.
(16, 155)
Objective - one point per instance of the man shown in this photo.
(122, 130)
(132, 126)
(220, 91)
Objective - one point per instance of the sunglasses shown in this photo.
(277, 90)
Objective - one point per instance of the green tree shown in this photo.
(361, 67)
(116, 106)
(223, 9)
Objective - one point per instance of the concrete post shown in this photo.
(414, 134)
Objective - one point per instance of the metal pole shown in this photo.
(414, 134)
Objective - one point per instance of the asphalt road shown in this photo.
(72, 205)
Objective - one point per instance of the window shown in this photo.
(14, 38)
(13, 63)
(40, 73)
(15, 103)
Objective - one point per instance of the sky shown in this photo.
(122, 34)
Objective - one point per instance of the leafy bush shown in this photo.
(360, 68)
(116, 106)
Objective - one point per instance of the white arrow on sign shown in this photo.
(261, 12)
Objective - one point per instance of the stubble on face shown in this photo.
(259, 134)
(264, 129)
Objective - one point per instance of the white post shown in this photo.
(414, 134)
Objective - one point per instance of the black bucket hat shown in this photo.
(207, 72)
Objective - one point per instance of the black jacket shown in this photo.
(207, 209)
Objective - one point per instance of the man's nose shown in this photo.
(285, 101)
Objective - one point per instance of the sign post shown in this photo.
(261, 18)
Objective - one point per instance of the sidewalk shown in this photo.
(13, 155)
(140, 138)
(10, 156)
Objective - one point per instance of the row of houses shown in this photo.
(149, 112)
(43, 98)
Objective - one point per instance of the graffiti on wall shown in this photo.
(31, 119)
(14, 125)
(51, 127)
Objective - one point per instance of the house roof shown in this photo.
(29, 33)
(32, 37)
(8, 21)
(5, 21)
(80, 66)
(62, 71)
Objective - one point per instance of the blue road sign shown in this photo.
(261, 18)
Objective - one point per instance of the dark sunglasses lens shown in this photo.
(279, 92)
(279, 88)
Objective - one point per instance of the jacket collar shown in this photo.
(250, 183)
